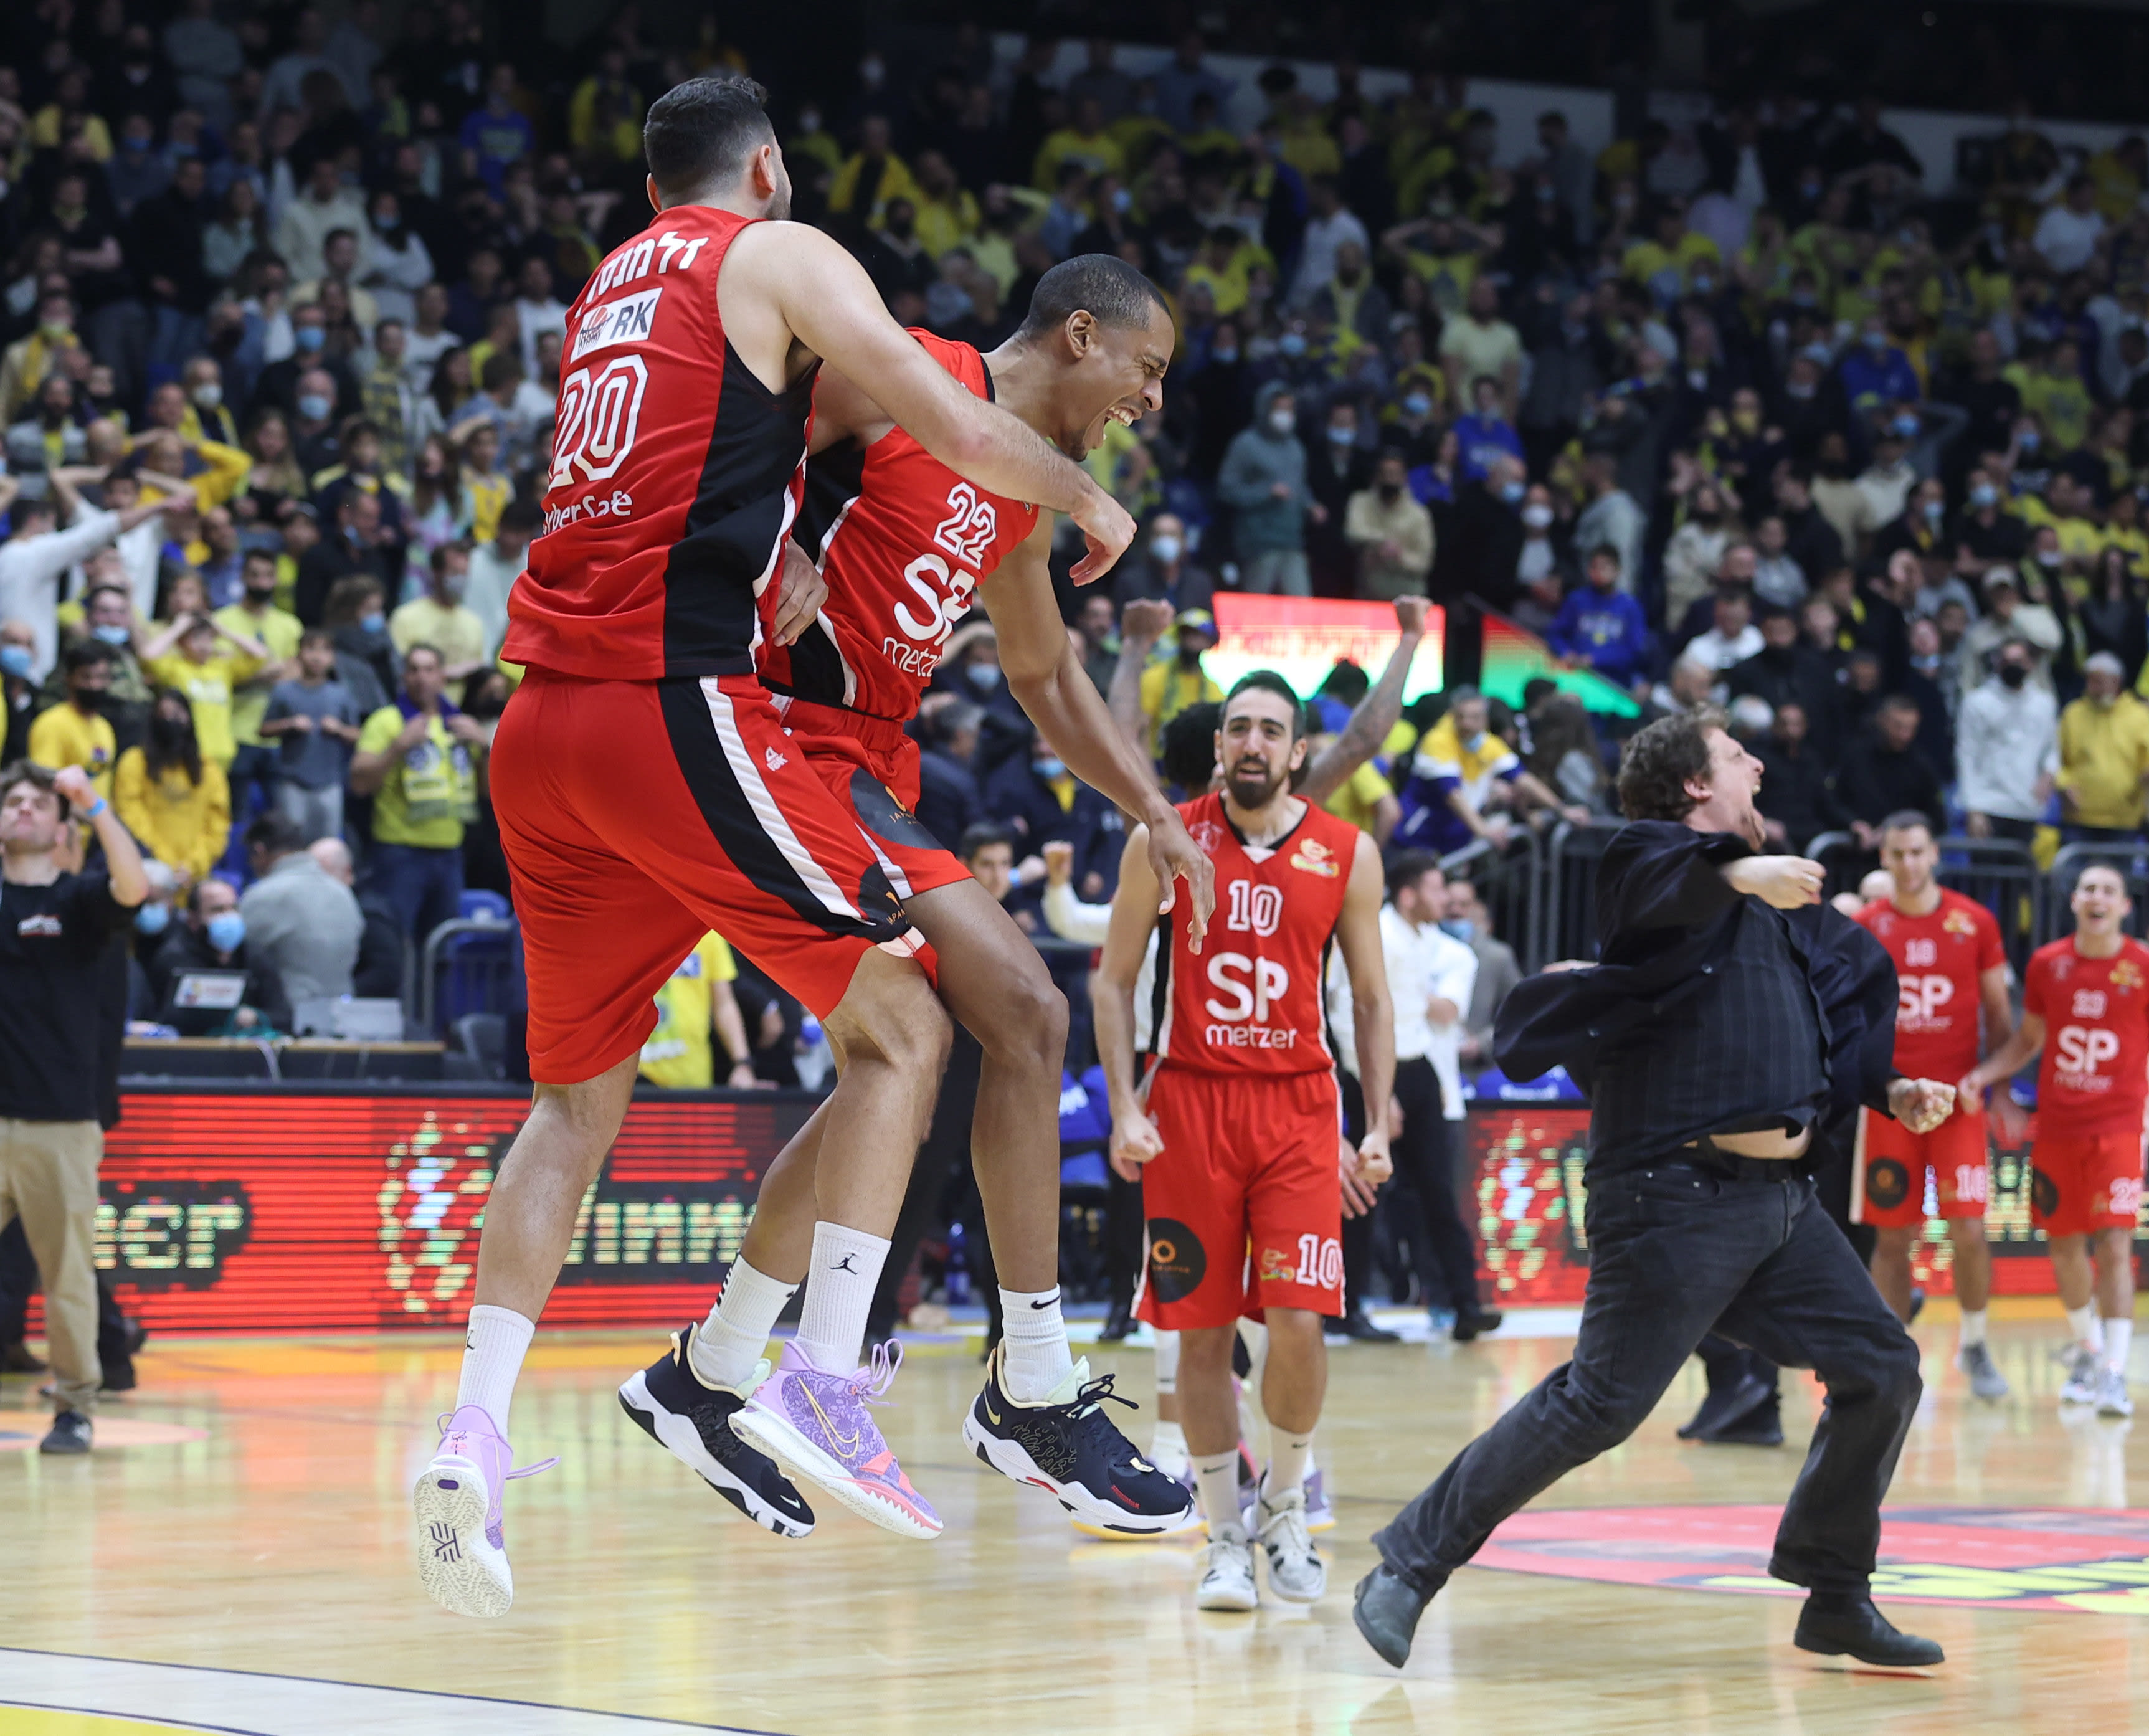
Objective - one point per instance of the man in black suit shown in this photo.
(1711, 1042)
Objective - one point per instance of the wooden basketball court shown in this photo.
(236, 1556)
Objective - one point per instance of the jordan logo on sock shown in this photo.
(844, 1265)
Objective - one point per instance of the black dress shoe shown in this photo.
(1837, 1626)
(1386, 1608)
(1726, 1406)
(136, 1334)
(1474, 1324)
(1356, 1325)
(1118, 1325)
(18, 1359)
(70, 1434)
(1760, 1426)
(117, 1377)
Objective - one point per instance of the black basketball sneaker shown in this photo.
(1068, 1446)
(677, 1409)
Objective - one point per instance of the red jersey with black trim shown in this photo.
(1249, 1002)
(1938, 958)
(903, 542)
(2095, 1073)
(676, 473)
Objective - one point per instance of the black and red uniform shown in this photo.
(1245, 1205)
(647, 793)
(904, 543)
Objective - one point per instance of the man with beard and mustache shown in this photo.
(1234, 1132)
(906, 545)
(648, 791)
(1712, 1042)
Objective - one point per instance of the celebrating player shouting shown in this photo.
(905, 544)
(2089, 995)
(647, 793)
(1235, 1132)
(1949, 966)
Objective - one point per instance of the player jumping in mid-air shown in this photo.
(906, 545)
(2085, 1005)
(1948, 968)
(1235, 1132)
(648, 791)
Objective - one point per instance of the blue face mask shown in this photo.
(1907, 426)
(373, 623)
(1049, 769)
(1291, 343)
(1936, 511)
(314, 408)
(308, 337)
(15, 661)
(1342, 436)
(111, 633)
(1416, 404)
(1983, 495)
(2030, 439)
(1513, 492)
(1224, 355)
(1460, 927)
(227, 933)
(152, 919)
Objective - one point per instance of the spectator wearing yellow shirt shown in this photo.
(1366, 799)
(2054, 393)
(413, 759)
(1227, 258)
(604, 115)
(872, 176)
(1169, 688)
(946, 213)
(2122, 530)
(1087, 141)
(444, 621)
(1442, 252)
(2104, 758)
(486, 485)
(171, 795)
(1206, 136)
(1665, 264)
(256, 616)
(76, 732)
(810, 142)
(188, 655)
(696, 1001)
(168, 463)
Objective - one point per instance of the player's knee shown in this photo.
(1029, 1018)
(901, 1024)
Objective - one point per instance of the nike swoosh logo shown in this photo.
(845, 1444)
(992, 1416)
(1050, 1301)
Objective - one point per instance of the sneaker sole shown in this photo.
(460, 1570)
(1010, 1460)
(678, 1436)
(1192, 1527)
(758, 1426)
(1236, 1602)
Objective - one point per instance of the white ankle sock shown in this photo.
(1289, 1455)
(2082, 1323)
(1973, 1329)
(736, 1333)
(1034, 1333)
(839, 1292)
(498, 1339)
(2118, 1340)
(1167, 1364)
(1217, 1478)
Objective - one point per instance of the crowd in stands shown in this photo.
(1768, 423)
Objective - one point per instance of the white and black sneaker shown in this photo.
(677, 1409)
(1067, 1446)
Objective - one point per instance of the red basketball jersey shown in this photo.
(676, 473)
(1938, 958)
(2096, 1068)
(1249, 1002)
(903, 542)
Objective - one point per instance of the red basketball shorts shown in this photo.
(1244, 1205)
(637, 817)
(870, 767)
(2083, 1182)
(1894, 1162)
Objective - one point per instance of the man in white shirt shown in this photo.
(1329, 226)
(495, 565)
(326, 204)
(1430, 977)
(35, 558)
(1732, 636)
(2067, 235)
(2007, 754)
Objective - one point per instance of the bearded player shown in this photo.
(1950, 967)
(1234, 1133)
(2088, 993)
(646, 789)
(905, 546)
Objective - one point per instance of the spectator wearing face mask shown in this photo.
(2104, 758)
(171, 795)
(1485, 435)
(1601, 627)
(443, 619)
(76, 732)
(1875, 373)
(1391, 533)
(2010, 616)
(1169, 688)
(213, 937)
(1263, 481)
(413, 759)
(1338, 469)
(2007, 750)
(1163, 568)
(1039, 800)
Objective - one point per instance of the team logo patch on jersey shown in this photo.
(1177, 1262)
(776, 762)
(1315, 858)
(1887, 1182)
(1958, 921)
(625, 321)
(2127, 974)
(1207, 835)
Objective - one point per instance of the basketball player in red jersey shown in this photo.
(1234, 1133)
(2089, 995)
(1949, 966)
(647, 793)
(905, 544)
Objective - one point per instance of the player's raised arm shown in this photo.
(824, 296)
(1374, 716)
(1135, 1139)
(1038, 659)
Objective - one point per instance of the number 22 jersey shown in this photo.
(2095, 1073)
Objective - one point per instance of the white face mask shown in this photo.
(1164, 548)
(1282, 420)
(1537, 517)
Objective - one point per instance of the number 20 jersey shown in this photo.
(904, 543)
(1249, 1002)
(2095, 1071)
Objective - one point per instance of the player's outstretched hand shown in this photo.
(1358, 1193)
(1786, 882)
(1109, 528)
(1173, 854)
(800, 592)
(1136, 1141)
(1920, 1104)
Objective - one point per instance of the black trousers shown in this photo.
(1442, 1246)
(1674, 1252)
(19, 1282)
